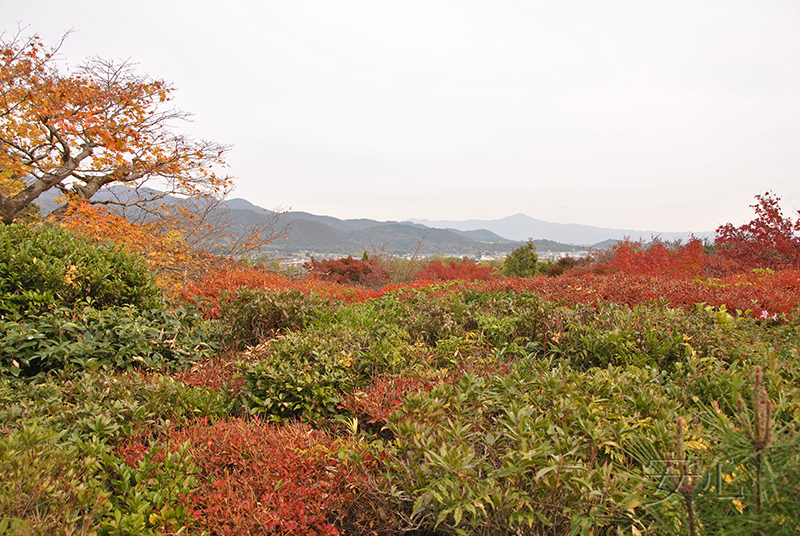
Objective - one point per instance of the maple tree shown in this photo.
(771, 240)
(99, 124)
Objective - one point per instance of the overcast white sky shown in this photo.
(652, 115)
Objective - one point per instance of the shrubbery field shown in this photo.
(653, 390)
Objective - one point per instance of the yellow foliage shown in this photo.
(100, 123)
(165, 251)
(10, 185)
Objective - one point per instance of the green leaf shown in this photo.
(541, 472)
(457, 513)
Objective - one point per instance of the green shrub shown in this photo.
(522, 261)
(44, 486)
(535, 451)
(68, 302)
(249, 316)
(45, 267)
(109, 407)
(653, 335)
(77, 453)
(428, 317)
(88, 338)
(306, 373)
(54, 484)
(151, 497)
(300, 377)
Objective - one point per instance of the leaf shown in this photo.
(541, 472)
(441, 517)
(457, 513)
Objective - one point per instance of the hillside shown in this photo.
(305, 232)
(522, 227)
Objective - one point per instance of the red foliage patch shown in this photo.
(208, 289)
(657, 258)
(348, 270)
(376, 402)
(464, 270)
(259, 478)
(769, 241)
(219, 373)
(675, 274)
(275, 479)
(777, 292)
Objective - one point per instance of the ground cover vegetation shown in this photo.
(651, 389)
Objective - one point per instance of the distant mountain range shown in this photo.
(522, 227)
(328, 235)
(310, 233)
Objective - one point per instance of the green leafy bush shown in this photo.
(249, 316)
(68, 302)
(306, 373)
(151, 497)
(522, 261)
(109, 407)
(427, 316)
(88, 453)
(47, 488)
(89, 338)
(45, 267)
(58, 484)
(537, 450)
(301, 379)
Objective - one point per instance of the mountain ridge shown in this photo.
(520, 227)
(320, 234)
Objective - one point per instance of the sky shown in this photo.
(649, 115)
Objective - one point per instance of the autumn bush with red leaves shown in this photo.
(771, 240)
(208, 289)
(462, 270)
(263, 478)
(365, 272)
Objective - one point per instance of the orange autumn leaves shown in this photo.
(97, 124)
(102, 124)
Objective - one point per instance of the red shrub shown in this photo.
(275, 479)
(775, 292)
(464, 270)
(221, 372)
(209, 287)
(348, 270)
(658, 258)
(259, 478)
(377, 401)
(769, 241)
